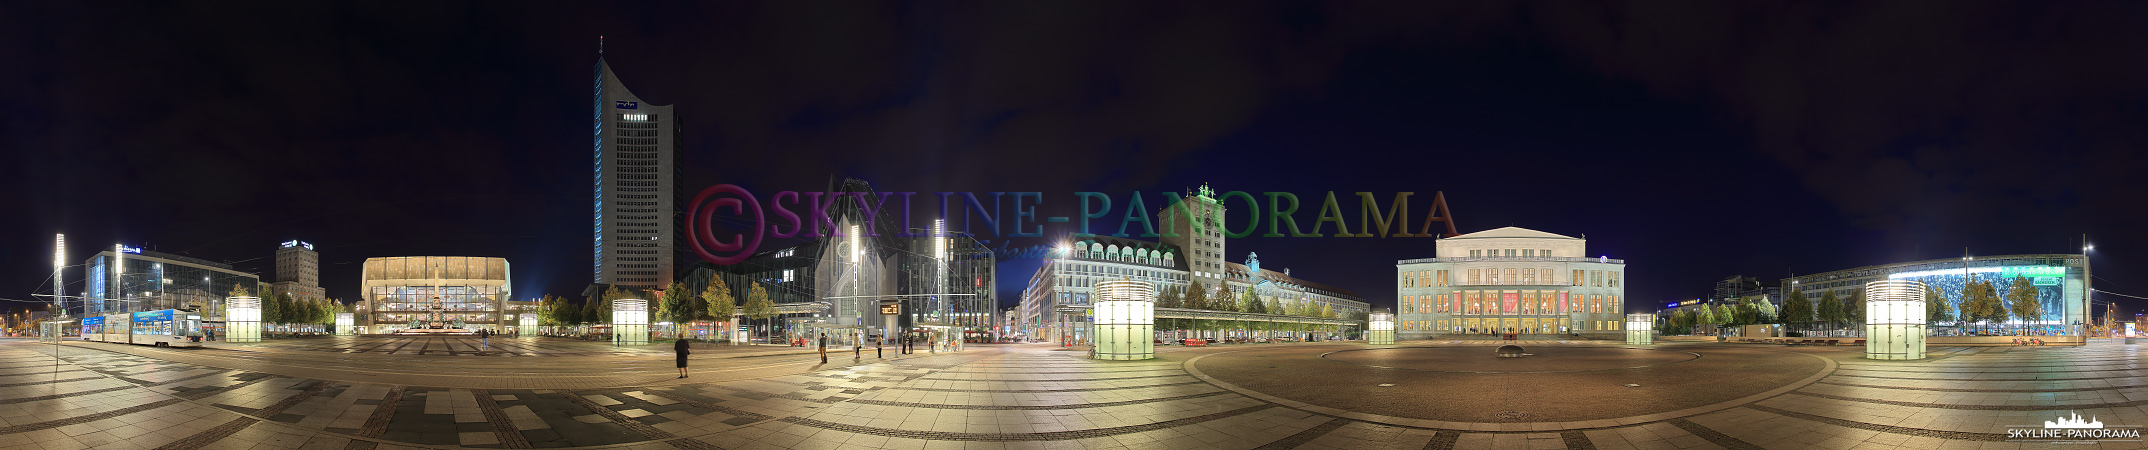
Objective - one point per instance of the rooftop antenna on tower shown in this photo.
(600, 44)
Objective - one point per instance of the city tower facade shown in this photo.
(636, 219)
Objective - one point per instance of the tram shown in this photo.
(162, 328)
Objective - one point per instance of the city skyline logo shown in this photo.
(807, 214)
(2072, 428)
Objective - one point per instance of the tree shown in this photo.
(603, 312)
(1197, 296)
(268, 307)
(1936, 309)
(547, 311)
(1768, 313)
(2022, 300)
(1980, 303)
(1830, 309)
(758, 305)
(1853, 309)
(236, 291)
(721, 305)
(1251, 303)
(676, 307)
(587, 314)
(1797, 310)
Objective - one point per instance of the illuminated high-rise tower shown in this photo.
(636, 218)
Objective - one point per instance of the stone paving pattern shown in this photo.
(1014, 396)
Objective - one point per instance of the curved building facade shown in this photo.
(1510, 280)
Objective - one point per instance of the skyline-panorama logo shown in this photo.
(2073, 428)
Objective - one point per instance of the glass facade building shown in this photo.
(151, 281)
(455, 291)
(2060, 281)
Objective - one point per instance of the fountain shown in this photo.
(1511, 351)
(436, 323)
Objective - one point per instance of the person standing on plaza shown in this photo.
(824, 348)
(680, 348)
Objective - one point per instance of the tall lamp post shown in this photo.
(2088, 287)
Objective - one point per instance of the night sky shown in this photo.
(1695, 140)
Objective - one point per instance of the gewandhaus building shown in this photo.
(1510, 280)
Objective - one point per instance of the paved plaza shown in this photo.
(370, 392)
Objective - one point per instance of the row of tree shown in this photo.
(1199, 296)
(676, 304)
(1980, 303)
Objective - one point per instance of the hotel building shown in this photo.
(298, 271)
(638, 215)
(1510, 280)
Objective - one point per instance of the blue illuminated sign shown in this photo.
(623, 104)
(126, 249)
(99, 320)
(296, 243)
(153, 316)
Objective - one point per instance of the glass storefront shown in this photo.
(157, 281)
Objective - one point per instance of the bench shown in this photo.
(1859, 342)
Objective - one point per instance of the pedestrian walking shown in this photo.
(824, 348)
(680, 348)
(484, 338)
(877, 341)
